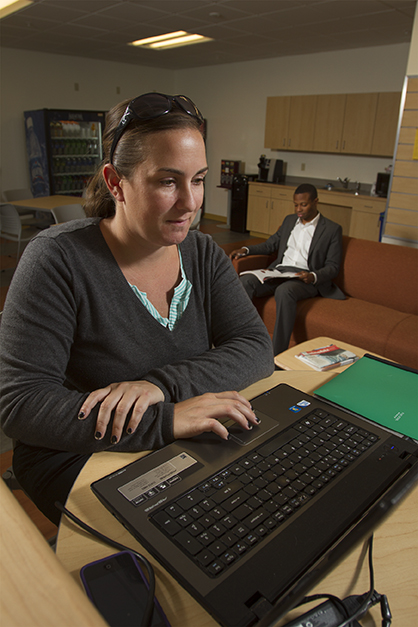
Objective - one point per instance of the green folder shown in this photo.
(378, 390)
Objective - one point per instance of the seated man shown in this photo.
(312, 246)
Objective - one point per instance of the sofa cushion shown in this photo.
(357, 322)
(375, 328)
(402, 341)
(384, 274)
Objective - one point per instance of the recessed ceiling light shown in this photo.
(170, 40)
(11, 6)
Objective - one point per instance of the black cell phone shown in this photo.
(119, 589)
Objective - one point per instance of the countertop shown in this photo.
(320, 184)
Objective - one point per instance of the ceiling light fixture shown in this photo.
(170, 40)
(11, 6)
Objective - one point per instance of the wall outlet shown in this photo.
(302, 166)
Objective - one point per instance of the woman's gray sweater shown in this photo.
(72, 324)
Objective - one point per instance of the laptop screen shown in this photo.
(379, 390)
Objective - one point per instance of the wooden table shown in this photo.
(47, 203)
(395, 554)
(35, 589)
(288, 361)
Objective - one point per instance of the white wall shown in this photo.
(232, 97)
(34, 80)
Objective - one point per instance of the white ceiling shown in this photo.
(242, 30)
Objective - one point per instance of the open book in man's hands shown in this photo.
(267, 274)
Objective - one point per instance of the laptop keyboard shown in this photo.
(223, 518)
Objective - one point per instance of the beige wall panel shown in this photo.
(407, 135)
(406, 168)
(403, 201)
(403, 232)
(411, 101)
(401, 216)
(412, 84)
(405, 152)
(404, 185)
(410, 118)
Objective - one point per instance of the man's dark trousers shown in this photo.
(287, 292)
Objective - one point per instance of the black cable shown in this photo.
(352, 607)
(364, 606)
(149, 608)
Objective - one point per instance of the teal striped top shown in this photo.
(178, 304)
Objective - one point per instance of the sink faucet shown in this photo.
(344, 182)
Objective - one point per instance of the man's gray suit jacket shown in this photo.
(324, 257)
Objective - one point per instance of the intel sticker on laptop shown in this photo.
(303, 403)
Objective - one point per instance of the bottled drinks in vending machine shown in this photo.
(76, 153)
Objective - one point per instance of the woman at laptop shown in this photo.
(124, 331)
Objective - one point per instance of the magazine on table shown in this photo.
(327, 357)
(268, 273)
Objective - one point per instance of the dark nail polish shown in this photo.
(113, 439)
(229, 436)
(98, 435)
(81, 415)
(129, 430)
(250, 426)
(257, 420)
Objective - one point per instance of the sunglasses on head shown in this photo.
(150, 106)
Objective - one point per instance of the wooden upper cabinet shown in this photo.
(386, 124)
(301, 123)
(359, 119)
(277, 122)
(329, 122)
(354, 124)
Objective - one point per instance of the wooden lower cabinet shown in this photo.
(366, 218)
(258, 214)
(281, 204)
(339, 213)
(269, 204)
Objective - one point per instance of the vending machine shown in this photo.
(64, 149)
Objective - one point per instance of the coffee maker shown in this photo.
(271, 170)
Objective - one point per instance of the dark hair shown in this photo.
(131, 150)
(307, 188)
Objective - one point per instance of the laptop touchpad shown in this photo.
(242, 436)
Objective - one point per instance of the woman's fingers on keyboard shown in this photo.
(203, 413)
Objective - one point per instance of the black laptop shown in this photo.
(248, 526)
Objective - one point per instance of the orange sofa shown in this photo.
(380, 313)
